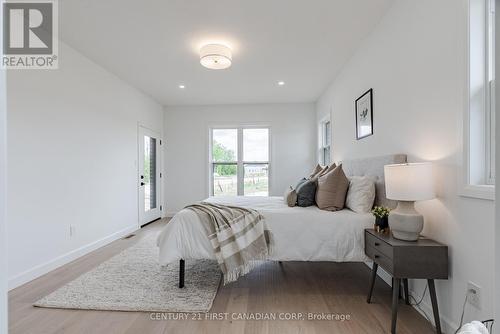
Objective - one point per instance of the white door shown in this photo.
(149, 176)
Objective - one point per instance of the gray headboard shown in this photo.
(374, 167)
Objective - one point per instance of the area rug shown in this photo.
(134, 281)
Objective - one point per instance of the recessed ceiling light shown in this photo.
(281, 83)
(215, 56)
(182, 86)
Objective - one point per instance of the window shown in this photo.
(479, 122)
(225, 161)
(239, 159)
(324, 142)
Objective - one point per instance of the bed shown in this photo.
(300, 234)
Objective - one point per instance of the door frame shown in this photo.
(144, 129)
(3, 199)
(497, 166)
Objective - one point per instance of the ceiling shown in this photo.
(153, 45)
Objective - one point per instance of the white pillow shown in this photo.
(361, 194)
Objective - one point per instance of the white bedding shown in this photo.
(300, 234)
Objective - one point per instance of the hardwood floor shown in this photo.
(281, 290)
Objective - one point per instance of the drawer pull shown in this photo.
(377, 244)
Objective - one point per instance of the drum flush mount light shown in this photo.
(215, 56)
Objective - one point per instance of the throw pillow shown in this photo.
(306, 191)
(361, 194)
(327, 170)
(332, 190)
(318, 169)
(290, 196)
(300, 182)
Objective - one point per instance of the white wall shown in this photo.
(415, 62)
(72, 159)
(293, 138)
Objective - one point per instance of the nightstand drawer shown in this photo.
(379, 258)
(381, 246)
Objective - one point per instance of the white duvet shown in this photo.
(300, 234)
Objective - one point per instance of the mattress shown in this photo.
(300, 234)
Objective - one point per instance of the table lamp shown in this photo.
(407, 183)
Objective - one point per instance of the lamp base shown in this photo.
(405, 222)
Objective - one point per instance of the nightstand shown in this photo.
(421, 259)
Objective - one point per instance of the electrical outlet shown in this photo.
(474, 295)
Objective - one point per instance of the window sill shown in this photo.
(486, 192)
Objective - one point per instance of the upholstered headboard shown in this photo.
(374, 167)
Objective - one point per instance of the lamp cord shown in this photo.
(463, 312)
(417, 303)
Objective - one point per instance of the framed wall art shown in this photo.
(364, 115)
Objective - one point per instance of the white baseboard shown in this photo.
(59, 261)
(447, 326)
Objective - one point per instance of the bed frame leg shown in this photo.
(181, 273)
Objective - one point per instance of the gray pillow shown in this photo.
(300, 182)
(306, 192)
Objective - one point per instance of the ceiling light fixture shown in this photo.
(281, 83)
(182, 86)
(215, 56)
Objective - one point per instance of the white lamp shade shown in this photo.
(409, 182)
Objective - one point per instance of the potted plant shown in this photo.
(381, 217)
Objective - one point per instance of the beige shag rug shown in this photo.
(134, 281)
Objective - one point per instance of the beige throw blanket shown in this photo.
(238, 236)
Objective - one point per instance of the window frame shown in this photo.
(479, 114)
(323, 145)
(240, 163)
(490, 94)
